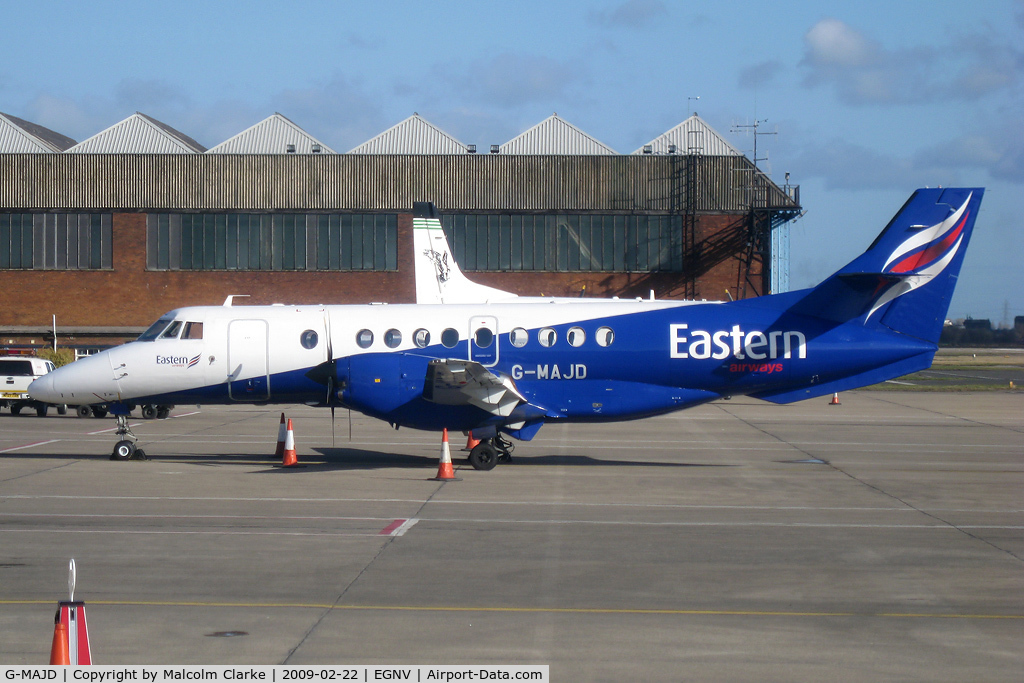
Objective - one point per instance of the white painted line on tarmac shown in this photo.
(112, 429)
(28, 445)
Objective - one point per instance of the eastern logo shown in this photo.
(178, 361)
(721, 344)
(925, 254)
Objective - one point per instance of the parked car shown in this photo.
(16, 373)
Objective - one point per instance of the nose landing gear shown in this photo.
(126, 448)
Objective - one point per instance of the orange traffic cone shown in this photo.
(470, 441)
(289, 459)
(445, 471)
(280, 438)
(835, 400)
(59, 648)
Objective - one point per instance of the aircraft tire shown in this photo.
(149, 412)
(42, 410)
(99, 412)
(62, 409)
(483, 457)
(123, 450)
(83, 411)
(163, 412)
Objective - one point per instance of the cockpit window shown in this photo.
(154, 330)
(172, 330)
(193, 331)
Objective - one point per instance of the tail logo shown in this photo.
(440, 262)
(924, 255)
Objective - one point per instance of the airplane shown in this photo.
(474, 358)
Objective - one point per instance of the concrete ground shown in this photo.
(881, 539)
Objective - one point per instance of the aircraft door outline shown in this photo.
(483, 340)
(248, 360)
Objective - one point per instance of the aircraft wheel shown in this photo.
(16, 409)
(83, 411)
(42, 410)
(484, 456)
(149, 412)
(123, 450)
(99, 412)
(62, 409)
(163, 412)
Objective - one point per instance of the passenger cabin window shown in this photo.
(519, 337)
(547, 337)
(575, 336)
(605, 336)
(193, 331)
(421, 338)
(450, 337)
(364, 338)
(392, 338)
(484, 338)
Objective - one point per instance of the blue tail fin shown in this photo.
(905, 280)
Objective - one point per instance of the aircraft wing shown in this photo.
(461, 382)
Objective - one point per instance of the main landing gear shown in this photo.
(489, 452)
(126, 448)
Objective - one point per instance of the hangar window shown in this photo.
(421, 338)
(566, 242)
(56, 241)
(275, 242)
(364, 338)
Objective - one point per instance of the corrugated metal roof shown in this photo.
(138, 134)
(555, 135)
(275, 134)
(19, 135)
(692, 136)
(415, 135)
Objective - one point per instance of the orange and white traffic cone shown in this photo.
(281, 430)
(289, 459)
(835, 400)
(470, 441)
(445, 471)
(70, 635)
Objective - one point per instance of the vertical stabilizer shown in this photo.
(438, 278)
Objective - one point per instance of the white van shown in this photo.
(16, 373)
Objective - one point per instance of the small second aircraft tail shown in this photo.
(905, 279)
(438, 278)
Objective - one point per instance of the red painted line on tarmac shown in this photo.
(391, 528)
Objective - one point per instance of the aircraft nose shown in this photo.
(42, 389)
(73, 384)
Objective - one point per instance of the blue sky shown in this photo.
(870, 100)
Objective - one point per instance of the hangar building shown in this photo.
(106, 234)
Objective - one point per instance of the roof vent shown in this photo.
(290, 149)
(494, 149)
(648, 149)
(316, 148)
(470, 149)
(671, 149)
